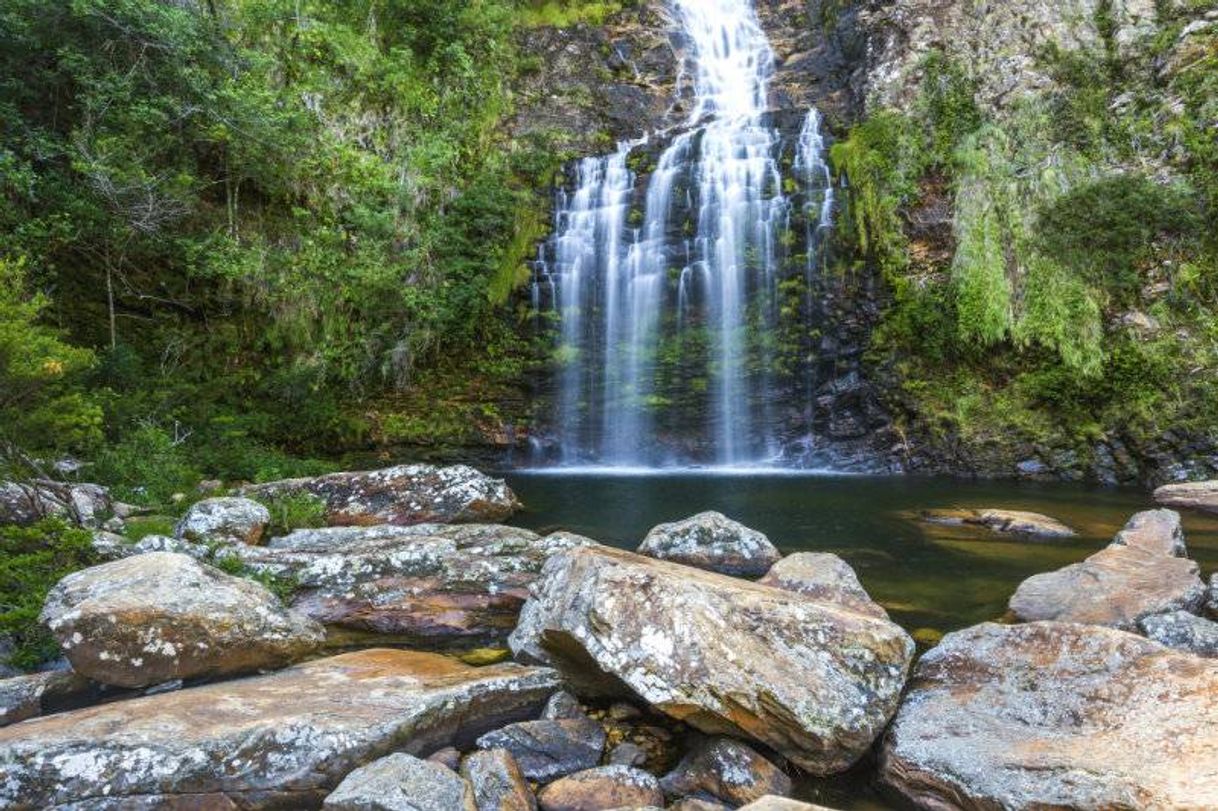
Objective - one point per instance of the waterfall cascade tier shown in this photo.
(682, 271)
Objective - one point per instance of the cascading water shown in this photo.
(670, 299)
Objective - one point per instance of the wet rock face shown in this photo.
(1183, 631)
(151, 618)
(401, 782)
(231, 520)
(714, 542)
(1118, 586)
(283, 740)
(726, 770)
(406, 494)
(1056, 715)
(426, 584)
(498, 783)
(601, 788)
(548, 749)
(1158, 531)
(1202, 496)
(823, 577)
(813, 681)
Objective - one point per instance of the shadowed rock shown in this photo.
(548, 749)
(812, 680)
(23, 697)
(152, 618)
(279, 741)
(401, 782)
(726, 770)
(498, 783)
(714, 542)
(406, 494)
(1183, 631)
(1053, 715)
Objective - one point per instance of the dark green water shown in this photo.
(927, 576)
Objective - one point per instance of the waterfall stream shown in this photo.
(668, 264)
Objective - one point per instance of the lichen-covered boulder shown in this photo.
(1054, 715)
(601, 788)
(1201, 496)
(497, 781)
(401, 782)
(25, 503)
(225, 520)
(812, 680)
(548, 749)
(714, 542)
(726, 770)
(278, 741)
(405, 494)
(1158, 531)
(1117, 586)
(825, 577)
(151, 618)
(425, 585)
(1183, 631)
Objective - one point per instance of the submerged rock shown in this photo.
(152, 618)
(498, 783)
(823, 577)
(604, 787)
(1158, 531)
(406, 494)
(1183, 631)
(402, 782)
(428, 584)
(813, 681)
(231, 520)
(1007, 522)
(1053, 715)
(714, 542)
(1117, 586)
(1201, 496)
(547, 749)
(726, 770)
(283, 740)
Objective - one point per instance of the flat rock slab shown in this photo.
(1053, 715)
(152, 618)
(1201, 496)
(279, 741)
(714, 542)
(405, 494)
(1117, 586)
(429, 584)
(1029, 525)
(814, 681)
(402, 782)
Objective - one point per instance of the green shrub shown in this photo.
(282, 587)
(291, 511)
(147, 467)
(32, 560)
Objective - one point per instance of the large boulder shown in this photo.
(548, 749)
(824, 577)
(401, 782)
(1117, 586)
(406, 494)
(1202, 496)
(1158, 531)
(811, 680)
(225, 520)
(498, 783)
(1183, 631)
(714, 542)
(25, 503)
(151, 618)
(279, 741)
(602, 788)
(725, 770)
(1053, 715)
(423, 585)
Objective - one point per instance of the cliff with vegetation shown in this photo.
(240, 236)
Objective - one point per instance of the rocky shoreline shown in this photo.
(420, 656)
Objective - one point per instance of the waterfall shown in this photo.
(667, 283)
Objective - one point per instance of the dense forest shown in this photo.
(238, 236)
